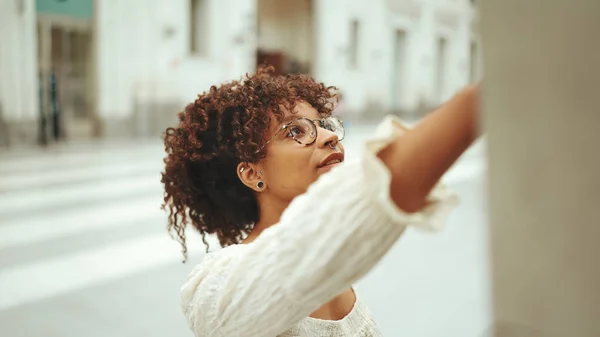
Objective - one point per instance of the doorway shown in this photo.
(65, 61)
(285, 35)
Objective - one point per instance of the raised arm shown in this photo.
(418, 158)
(334, 234)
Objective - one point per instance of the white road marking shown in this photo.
(27, 180)
(59, 275)
(94, 157)
(27, 201)
(29, 230)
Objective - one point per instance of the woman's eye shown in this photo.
(295, 131)
(328, 126)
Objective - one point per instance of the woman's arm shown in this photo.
(419, 158)
(331, 236)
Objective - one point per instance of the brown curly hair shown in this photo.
(223, 127)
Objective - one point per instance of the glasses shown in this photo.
(304, 130)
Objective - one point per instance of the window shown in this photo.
(474, 64)
(354, 41)
(441, 69)
(198, 27)
(399, 67)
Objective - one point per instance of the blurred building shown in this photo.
(82, 69)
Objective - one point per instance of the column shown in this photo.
(542, 116)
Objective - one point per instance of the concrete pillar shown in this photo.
(542, 116)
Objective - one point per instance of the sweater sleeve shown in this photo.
(326, 240)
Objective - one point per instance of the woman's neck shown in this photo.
(271, 210)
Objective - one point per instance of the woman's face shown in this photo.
(290, 167)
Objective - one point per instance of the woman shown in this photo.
(259, 163)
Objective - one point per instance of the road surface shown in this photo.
(84, 251)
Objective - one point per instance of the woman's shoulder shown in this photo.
(218, 260)
(206, 277)
(227, 253)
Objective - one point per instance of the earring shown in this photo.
(259, 184)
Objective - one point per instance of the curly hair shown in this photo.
(223, 127)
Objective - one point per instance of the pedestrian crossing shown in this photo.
(72, 218)
(51, 196)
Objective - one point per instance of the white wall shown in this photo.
(424, 21)
(18, 64)
(143, 51)
(138, 60)
(143, 48)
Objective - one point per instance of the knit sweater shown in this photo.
(326, 240)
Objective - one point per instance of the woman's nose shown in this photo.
(327, 138)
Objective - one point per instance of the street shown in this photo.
(84, 250)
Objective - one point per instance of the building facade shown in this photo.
(122, 68)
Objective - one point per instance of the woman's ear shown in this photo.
(251, 176)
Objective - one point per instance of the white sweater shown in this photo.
(326, 240)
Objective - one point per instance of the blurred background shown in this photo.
(86, 89)
(82, 69)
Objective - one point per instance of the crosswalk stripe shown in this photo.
(64, 176)
(29, 230)
(55, 276)
(25, 201)
(86, 160)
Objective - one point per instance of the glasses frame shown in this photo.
(313, 122)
